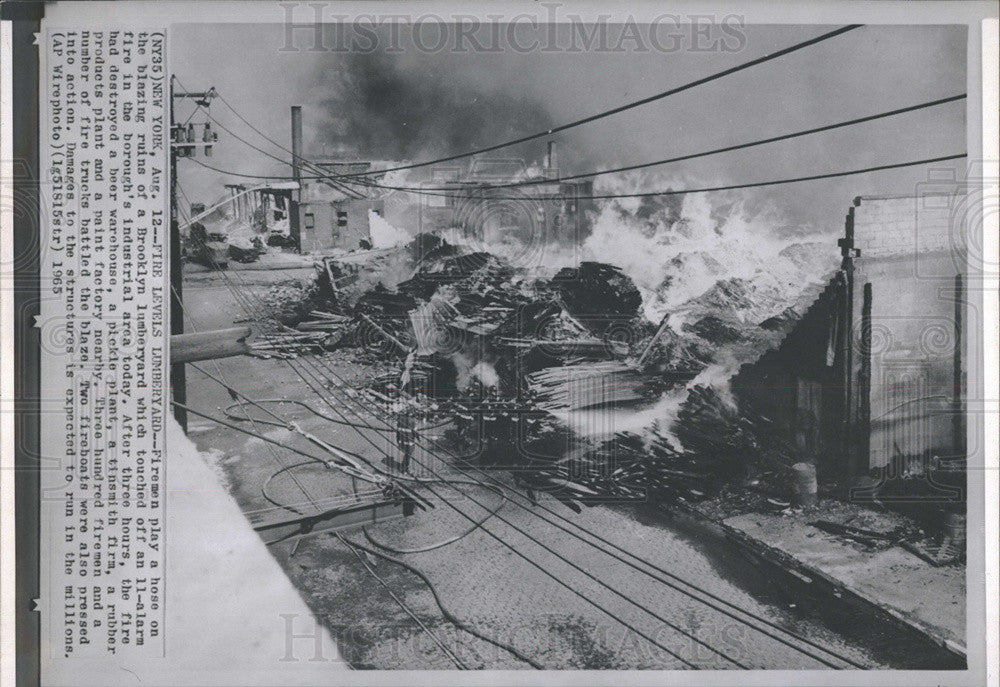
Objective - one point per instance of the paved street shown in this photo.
(477, 578)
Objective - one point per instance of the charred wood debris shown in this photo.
(465, 340)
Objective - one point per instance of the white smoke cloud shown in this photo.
(385, 235)
(676, 254)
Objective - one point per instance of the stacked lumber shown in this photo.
(651, 465)
(289, 344)
(585, 385)
(323, 322)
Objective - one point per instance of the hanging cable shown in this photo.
(623, 108)
(451, 617)
(447, 652)
(483, 194)
(715, 151)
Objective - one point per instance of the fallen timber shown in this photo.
(210, 345)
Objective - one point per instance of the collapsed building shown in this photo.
(869, 384)
(862, 376)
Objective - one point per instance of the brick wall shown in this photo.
(889, 227)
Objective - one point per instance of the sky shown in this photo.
(409, 103)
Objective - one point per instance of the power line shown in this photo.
(222, 126)
(329, 177)
(628, 106)
(485, 195)
(716, 151)
(531, 561)
(641, 165)
(343, 178)
(448, 652)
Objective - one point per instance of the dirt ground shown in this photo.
(488, 586)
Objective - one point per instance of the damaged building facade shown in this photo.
(869, 384)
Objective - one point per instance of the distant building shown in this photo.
(476, 201)
(869, 384)
(341, 224)
(335, 216)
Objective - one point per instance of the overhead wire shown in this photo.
(402, 604)
(350, 402)
(706, 153)
(627, 106)
(483, 193)
(328, 176)
(930, 160)
(343, 178)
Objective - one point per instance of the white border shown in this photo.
(991, 367)
(983, 38)
(7, 588)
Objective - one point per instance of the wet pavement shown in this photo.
(488, 586)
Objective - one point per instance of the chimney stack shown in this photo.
(550, 160)
(297, 147)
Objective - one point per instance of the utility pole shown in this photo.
(181, 144)
(293, 210)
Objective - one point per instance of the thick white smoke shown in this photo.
(675, 255)
(385, 235)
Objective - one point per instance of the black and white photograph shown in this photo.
(364, 343)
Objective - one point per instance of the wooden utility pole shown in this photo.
(179, 142)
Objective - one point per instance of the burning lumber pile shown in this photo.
(510, 354)
(716, 443)
(598, 294)
(585, 385)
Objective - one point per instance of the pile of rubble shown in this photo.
(501, 353)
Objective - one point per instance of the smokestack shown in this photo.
(550, 160)
(297, 147)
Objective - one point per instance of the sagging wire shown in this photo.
(534, 563)
(451, 617)
(352, 402)
(232, 395)
(402, 604)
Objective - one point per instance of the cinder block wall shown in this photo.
(904, 226)
(909, 252)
